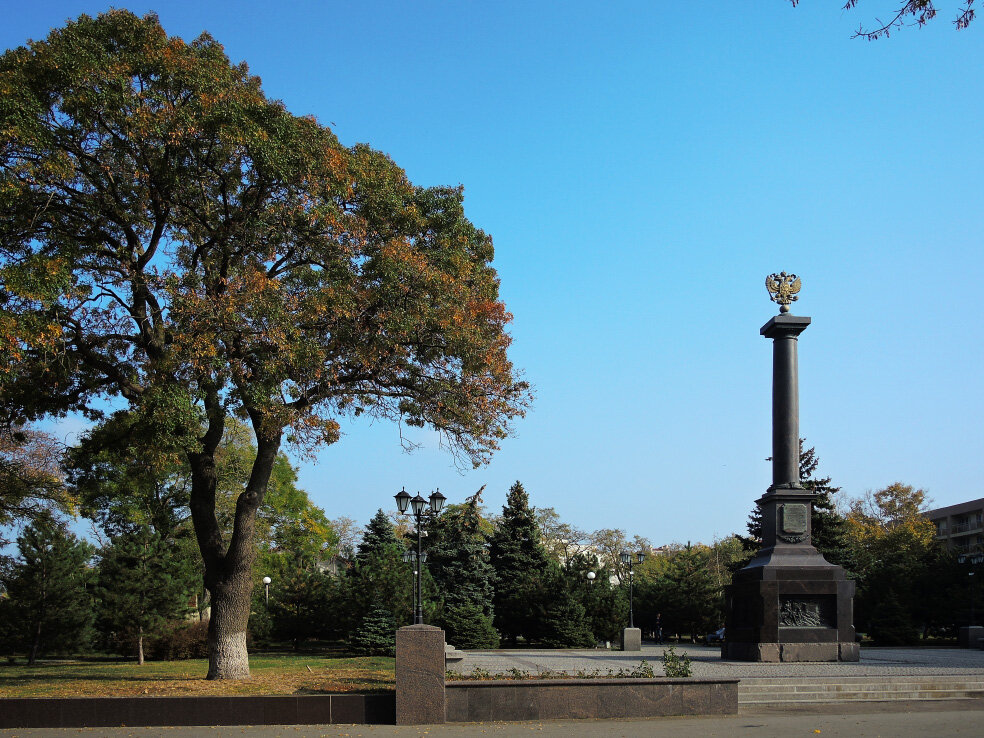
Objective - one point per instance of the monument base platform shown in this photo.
(774, 653)
(790, 606)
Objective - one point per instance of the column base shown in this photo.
(774, 653)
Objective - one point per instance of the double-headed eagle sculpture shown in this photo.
(782, 289)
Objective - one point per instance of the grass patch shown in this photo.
(270, 674)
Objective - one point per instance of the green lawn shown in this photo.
(270, 674)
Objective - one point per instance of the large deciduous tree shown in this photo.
(173, 240)
(31, 483)
(914, 12)
(893, 545)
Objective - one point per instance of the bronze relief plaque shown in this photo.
(793, 522)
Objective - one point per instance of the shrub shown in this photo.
(180, 640)
(674, 665)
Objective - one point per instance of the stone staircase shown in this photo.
(805, 690)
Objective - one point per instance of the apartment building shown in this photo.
(960, 527)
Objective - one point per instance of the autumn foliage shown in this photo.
(175, 241)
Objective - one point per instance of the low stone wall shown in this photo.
(567, 699)
(102, 712)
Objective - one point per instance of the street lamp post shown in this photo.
(419, 508)
(973, 559)
(627, 558)
(410, 557)
(266, 586)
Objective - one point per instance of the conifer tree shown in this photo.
(459, 562)
(519, 561)
(379, 536)
(829, 527)
(47, 603)
(693, 602)
(140, 587)
(301, 604)
(565, 623)
(376, 634)
(379, 577)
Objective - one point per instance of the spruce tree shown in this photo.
(47, 602)
(379, 577)
(376, 634)
(691, 594)
(829, 535)
(519, 561)
(829, 529)
(565, 623)
(378, 537)
(140, 587)
(459, 562)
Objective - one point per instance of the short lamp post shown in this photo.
(629, 560)
(266, 587)
(591, 577)
(418, 507)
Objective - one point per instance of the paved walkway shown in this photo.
(899, 719)
(942, 718)
(706, 662)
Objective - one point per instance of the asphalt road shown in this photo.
(867, 720)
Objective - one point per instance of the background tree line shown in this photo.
(519, 576)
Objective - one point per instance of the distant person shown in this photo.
(659, 628)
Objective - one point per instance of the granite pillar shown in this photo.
(631, 639)
(420, 673)
(788, 603)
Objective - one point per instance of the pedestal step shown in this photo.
(858, 689)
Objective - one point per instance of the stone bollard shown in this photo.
(420, 672)
(631, 639)
(967, 636)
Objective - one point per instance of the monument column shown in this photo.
(784, 331)
(788, 603)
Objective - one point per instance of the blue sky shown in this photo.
(642, 167)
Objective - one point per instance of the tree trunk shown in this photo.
(35, 645)
(140, 656)
(228, 571)
(227, 654)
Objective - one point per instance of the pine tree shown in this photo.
(140, 587)
(519, 561)
(46, 586)
(300, 605)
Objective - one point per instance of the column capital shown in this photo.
(785, 326)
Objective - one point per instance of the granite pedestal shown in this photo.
(420, 675)
(970, 636)
(631, 639)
